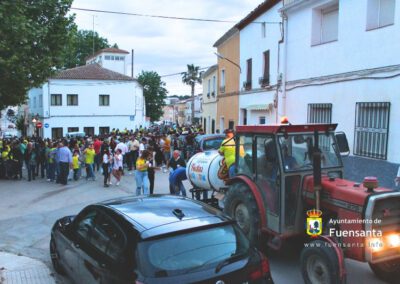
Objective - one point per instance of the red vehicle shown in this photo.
(283, 172)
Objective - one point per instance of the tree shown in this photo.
(191, 77)
(81, 44)
(154, 93)
(32, 37)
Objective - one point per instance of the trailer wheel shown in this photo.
(241, 205)
(388, 271)
(319, 264)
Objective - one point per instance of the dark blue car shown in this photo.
(155, 239)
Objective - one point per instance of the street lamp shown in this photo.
(227, 59)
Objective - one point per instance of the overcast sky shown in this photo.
(162, 45)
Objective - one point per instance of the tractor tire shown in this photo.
(241, 205)
(319, 264)
(388, 271)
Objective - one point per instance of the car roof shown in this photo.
(155, 215)
(209, 136)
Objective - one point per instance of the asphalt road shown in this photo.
(29, 209)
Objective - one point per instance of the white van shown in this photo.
(70, 135)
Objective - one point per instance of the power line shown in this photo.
(180, 73)
(164, 17)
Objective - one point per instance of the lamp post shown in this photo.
(227, 59)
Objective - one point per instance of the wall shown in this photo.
(209, 103)
(228, 102)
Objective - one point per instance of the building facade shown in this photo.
(342, 66)
(209, 114)
(260, 33)
(228, 49)
(88, 99)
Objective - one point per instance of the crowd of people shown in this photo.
(139, 152)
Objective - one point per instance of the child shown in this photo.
(75, 164)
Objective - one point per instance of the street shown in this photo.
(29, 209)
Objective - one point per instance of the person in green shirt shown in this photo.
(89, 161)
(228, 150)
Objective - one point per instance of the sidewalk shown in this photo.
(16, 269)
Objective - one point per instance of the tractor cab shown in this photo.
(278, 159)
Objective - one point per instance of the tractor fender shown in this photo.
(257, 196)
(339, 254)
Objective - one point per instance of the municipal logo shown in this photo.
(314, 223)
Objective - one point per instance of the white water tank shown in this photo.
(202, 170)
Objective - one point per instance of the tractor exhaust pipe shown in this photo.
(317, 171)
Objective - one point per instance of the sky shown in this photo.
(163, 45)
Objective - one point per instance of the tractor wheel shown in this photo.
(319, 264)
(388, 271)
(241, 205)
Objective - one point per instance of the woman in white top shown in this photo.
(118, 166)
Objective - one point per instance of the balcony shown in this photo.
(247, 85)
(222, 89)
(213, 94)
(263, 81)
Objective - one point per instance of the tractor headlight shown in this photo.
(393, 240)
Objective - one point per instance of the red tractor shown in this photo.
(286, 177)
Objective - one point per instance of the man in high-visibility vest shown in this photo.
(227, 149)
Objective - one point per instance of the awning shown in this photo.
(267, 107)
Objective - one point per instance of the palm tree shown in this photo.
(191, 77)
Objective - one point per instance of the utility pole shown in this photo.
(132, 58)
(93, 36)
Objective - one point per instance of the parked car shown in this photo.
(70, 135)
(208, 142)
(154, 239)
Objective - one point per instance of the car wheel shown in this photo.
(241, 205)
(388, 271)
(319, 264)
(55, 258)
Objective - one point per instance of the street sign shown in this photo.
(46, 125)
(39, 125)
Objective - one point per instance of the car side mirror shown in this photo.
(342, 143)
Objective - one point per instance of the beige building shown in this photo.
(209, 115)
(228, 49)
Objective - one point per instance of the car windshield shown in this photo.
(212, 144)
(189, 252)
(296, 150)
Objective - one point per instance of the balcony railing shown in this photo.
(263, 81)
(247, 85)
(213, 94)
(208, 95)
(222, 89)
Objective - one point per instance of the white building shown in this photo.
(209, 114)
(90, 99)
(260, 33)
(110, 58)
(340, 64)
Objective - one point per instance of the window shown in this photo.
(247, 83)
(264, 80)
(222, 87)
(73, 129)
(208, 88)
(325, 25)
(34, 102)
(214, 85)
(112, 57)
(56, 100)
(56, 132)
(107, 57)
(261, 120)
(263, 30)
(89, 131)
(86, 224)
(319, 113)
(72, 100)
(40, 100)
(371, 129)
(231, 124)
(245, 159)
(104, 100)
(380, 13)
(212, 126)
(104, 130)
(244, 112)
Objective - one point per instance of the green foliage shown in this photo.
(154, 92)
(33, 34)
(20, 123)
(191, 77)
(80, 45)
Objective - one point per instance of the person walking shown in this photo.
(98, 157)
(75, 164)
(175, 162)
(64, 161)
(151, 168)
(117, 166)
(106, 165)
(141, 173)
(133, 147)
(175, 180)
